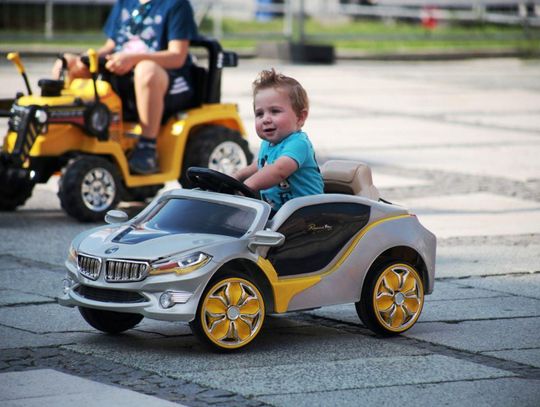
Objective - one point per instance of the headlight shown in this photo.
(72, 255)
(183, 265)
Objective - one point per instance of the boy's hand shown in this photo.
(120, 63)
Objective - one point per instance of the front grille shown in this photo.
(102, 295)
(89, 266)
(117, 271)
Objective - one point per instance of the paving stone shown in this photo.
(13, 297)
(486, 259)
(48, 387)
(481, 336)
(523, 285)
(526, 356)
(454, 290)
(475, 161)
(482, 308)
(476, 214)
(172, 356)
(26, 277)
(478, 393)
(16, 338)
(341, 375)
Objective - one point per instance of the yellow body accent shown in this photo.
(61, 138)
(179, 270)
(284, 289)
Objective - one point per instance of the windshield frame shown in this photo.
(261, 208)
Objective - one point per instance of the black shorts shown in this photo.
(179, 96)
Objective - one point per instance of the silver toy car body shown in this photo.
(219, 262)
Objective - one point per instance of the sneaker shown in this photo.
(143, 160)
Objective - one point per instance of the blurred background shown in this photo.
(351, 27)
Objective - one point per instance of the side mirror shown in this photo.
(116, 216)
(266, 238)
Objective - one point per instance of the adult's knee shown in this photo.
(150, 74)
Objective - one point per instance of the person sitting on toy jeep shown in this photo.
(147, 46)
(286, 167)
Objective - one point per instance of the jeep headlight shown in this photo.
(182, 265)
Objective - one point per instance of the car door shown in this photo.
(315, 234)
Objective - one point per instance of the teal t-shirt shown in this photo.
(306, 180)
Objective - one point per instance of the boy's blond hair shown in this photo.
(272, 79)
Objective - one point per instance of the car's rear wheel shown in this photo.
(109, 321)
(230, 313)
(216, 147)
(392, 299)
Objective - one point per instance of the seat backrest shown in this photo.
(348, 177)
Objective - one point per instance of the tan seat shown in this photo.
(348, 177)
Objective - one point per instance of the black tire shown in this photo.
(16, 187)
(230, 330)
(392, 298)
(209, 147)
(141, 194)
(109, 321)
(89, 187)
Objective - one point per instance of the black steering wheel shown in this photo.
(216, 181)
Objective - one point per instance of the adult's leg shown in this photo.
(151, 83)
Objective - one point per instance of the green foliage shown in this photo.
(363, 35)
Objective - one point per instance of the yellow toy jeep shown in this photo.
(81, 130)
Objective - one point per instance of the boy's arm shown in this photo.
(246, 172)
(272, 174)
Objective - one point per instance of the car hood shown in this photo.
(128, 243)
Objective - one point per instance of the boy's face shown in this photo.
(275, 118)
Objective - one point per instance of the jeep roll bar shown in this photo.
(217, 60)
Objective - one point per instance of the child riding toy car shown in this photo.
(221, 262)
(82, 131)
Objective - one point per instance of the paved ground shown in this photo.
(457, 142)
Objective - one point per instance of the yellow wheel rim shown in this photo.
(232, 313)
(398, 297)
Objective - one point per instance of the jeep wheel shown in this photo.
(15, 188)
(216, 147)
(230, 313)
(109, 321)
(392, 299)
(89, 187)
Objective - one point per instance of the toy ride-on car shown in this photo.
(86, 131)
(219, 261)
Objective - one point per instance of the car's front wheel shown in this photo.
(16, 187)
(109, 321)
(230, 313)
(89, 187)
(392, 299)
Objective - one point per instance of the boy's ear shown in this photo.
(302, 117)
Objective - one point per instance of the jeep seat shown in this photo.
(348, 177)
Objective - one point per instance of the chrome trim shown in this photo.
(120, 271)
(180, 297)
(86, 266)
